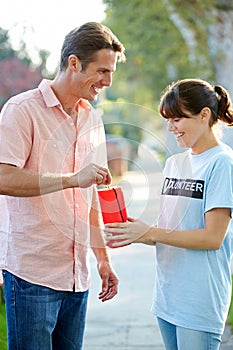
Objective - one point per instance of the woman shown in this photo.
(194, 232)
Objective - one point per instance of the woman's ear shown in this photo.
(205, 113)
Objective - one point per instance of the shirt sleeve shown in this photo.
(15, 135)
(219, 189)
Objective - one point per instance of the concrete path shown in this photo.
(126, 322)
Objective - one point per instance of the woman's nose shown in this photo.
(170, 125)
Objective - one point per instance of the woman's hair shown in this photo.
(192, 95)
(86, 40)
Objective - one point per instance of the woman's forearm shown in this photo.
(210, 237)
(190, 239)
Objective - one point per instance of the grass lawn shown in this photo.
(230, 318)
(230, 315)
(3, 332)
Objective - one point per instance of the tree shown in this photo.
(16, 77)
(212, 21)
(6, 50)
(206, 25)
(168, 40)
(17, 71)
(155, 48)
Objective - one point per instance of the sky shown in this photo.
(43, 24)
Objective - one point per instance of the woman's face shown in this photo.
(190, 132)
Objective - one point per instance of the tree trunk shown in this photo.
(220, 38)
(219, 35)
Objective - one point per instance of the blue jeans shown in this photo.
(39, 318)
(178, 338)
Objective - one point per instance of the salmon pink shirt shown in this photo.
(46, 238)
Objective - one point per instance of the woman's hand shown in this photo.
(128, 232)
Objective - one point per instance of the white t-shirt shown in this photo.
(193, 287)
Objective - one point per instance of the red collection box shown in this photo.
(113, 207)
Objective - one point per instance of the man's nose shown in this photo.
(107, 80)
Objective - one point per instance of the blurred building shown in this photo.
(118, 152)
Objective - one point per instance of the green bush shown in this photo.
(230, 315)
(3, 331)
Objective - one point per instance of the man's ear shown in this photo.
(74, 63)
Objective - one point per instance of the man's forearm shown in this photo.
(22, 183)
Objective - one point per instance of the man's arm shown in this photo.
(23, 183)
(108, 276)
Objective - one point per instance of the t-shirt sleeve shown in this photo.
(219, 189)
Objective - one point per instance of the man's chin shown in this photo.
(92, 98)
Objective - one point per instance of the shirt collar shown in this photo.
(50, 98)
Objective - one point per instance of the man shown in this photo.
(51, 156)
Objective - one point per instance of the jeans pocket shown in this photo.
(22, 284)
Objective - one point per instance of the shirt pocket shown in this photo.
(53, 156)
(84, 154)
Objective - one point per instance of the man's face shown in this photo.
(98, 74)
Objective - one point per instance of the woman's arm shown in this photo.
(211, 237)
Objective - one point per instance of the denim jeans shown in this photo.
(39, 318)
(178, 338)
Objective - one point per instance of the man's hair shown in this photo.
(86, 40)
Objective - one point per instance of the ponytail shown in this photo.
(194, 94)
(225, 111)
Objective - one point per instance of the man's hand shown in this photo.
(92, 174)
(109, 281)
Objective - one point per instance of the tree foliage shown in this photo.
(16, 77)
(16, 69)
(6, 50)
(167, 40)
(155, 48)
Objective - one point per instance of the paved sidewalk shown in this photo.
(227, 339)
(126, 322)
